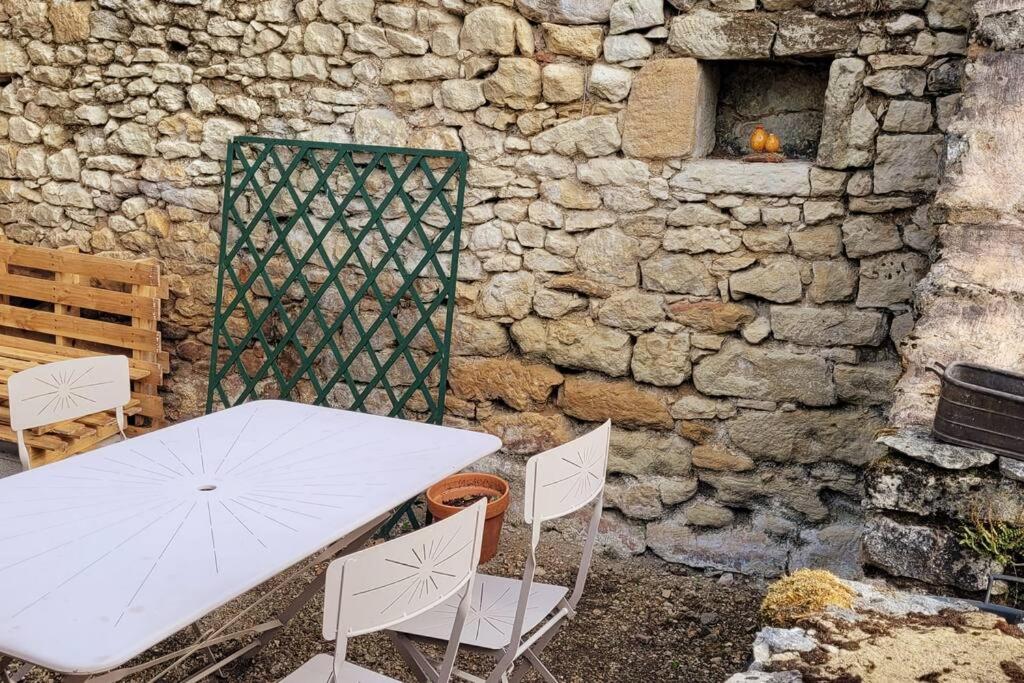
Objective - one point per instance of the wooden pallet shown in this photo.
(56, 305)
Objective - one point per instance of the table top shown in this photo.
(106, 554)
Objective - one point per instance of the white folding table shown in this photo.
(106, 554)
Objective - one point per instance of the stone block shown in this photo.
(528, 433)
(806, 34)
(671, 110)
(571, 12)
(592, 136)
(720, 458)
(868, 384)
(912, 486)
(70, 21)
(522, 386)
(661, 359)
(13, 58)
(827, 326)
(574, 41)
(575, 343)
(889, 279)
(927, 554)
(633, 15)
(918, 443)
(678, 273)
(621, 402)
(739, 549)
(705, 34)
(766, 374)
(610, 257)
(711, 316)
(908, 163)
(908, 116)
(724, 176)
(807, 436)
(848, 127)
(639, 452)
(867, 235)
(778, 281)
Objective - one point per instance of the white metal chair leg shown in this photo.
(23, 450)
(119, 411)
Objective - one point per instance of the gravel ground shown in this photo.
(639, 620)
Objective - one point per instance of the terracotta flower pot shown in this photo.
(468, 485)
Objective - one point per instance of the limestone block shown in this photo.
(632, 15)
(766, 374)
(613, 83)
(592, 136)
(723, 176)
(778, 281)
(846, 435)
(808, 35)
(908, 163)
(867, 235)
(704, 34)
(609, 256)
(827, 326)
(890, 278)
(678, 273)
(522, 386)
(834, 280)
(573, 12)
(848, 128)
(496, 30)
(711, 316)
(621, 402)
(463, 95)
(562, 83)
(574, 41)
(671, 110)
(70, 21)
(924, 553)
(738, 549)
(627, 48)
(661, 359)
(516, 84)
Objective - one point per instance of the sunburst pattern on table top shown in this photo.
(144, 536)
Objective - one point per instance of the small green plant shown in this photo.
(997, 540)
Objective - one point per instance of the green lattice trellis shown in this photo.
(336, 281)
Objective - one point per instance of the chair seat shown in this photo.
(319, 669)
(492, 613)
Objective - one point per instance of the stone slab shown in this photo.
(671, 110)
(725, 176)
(918, 443)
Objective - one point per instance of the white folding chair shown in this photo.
(67, 390)
(382, 586)
(511, 619)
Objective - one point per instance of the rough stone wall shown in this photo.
(735, 321)
(923, 494)
(972, 302)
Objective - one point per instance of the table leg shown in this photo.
(343, 547)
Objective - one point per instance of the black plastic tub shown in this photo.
(981, 407)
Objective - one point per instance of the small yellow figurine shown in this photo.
(772, 144)
(758, 138)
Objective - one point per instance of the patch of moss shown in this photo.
(802, 594)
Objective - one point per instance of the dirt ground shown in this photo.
(640, 620)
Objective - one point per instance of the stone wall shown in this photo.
(920, 497)
(736, 321)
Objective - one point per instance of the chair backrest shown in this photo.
(559, 482)
(566, 478)
(389, 583)
(67, 390)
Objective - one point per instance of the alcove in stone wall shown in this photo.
(787, 97)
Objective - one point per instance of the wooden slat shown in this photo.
(7, 369)
(80, 296)
(132, 272)
(79, 328)
(44, 352)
